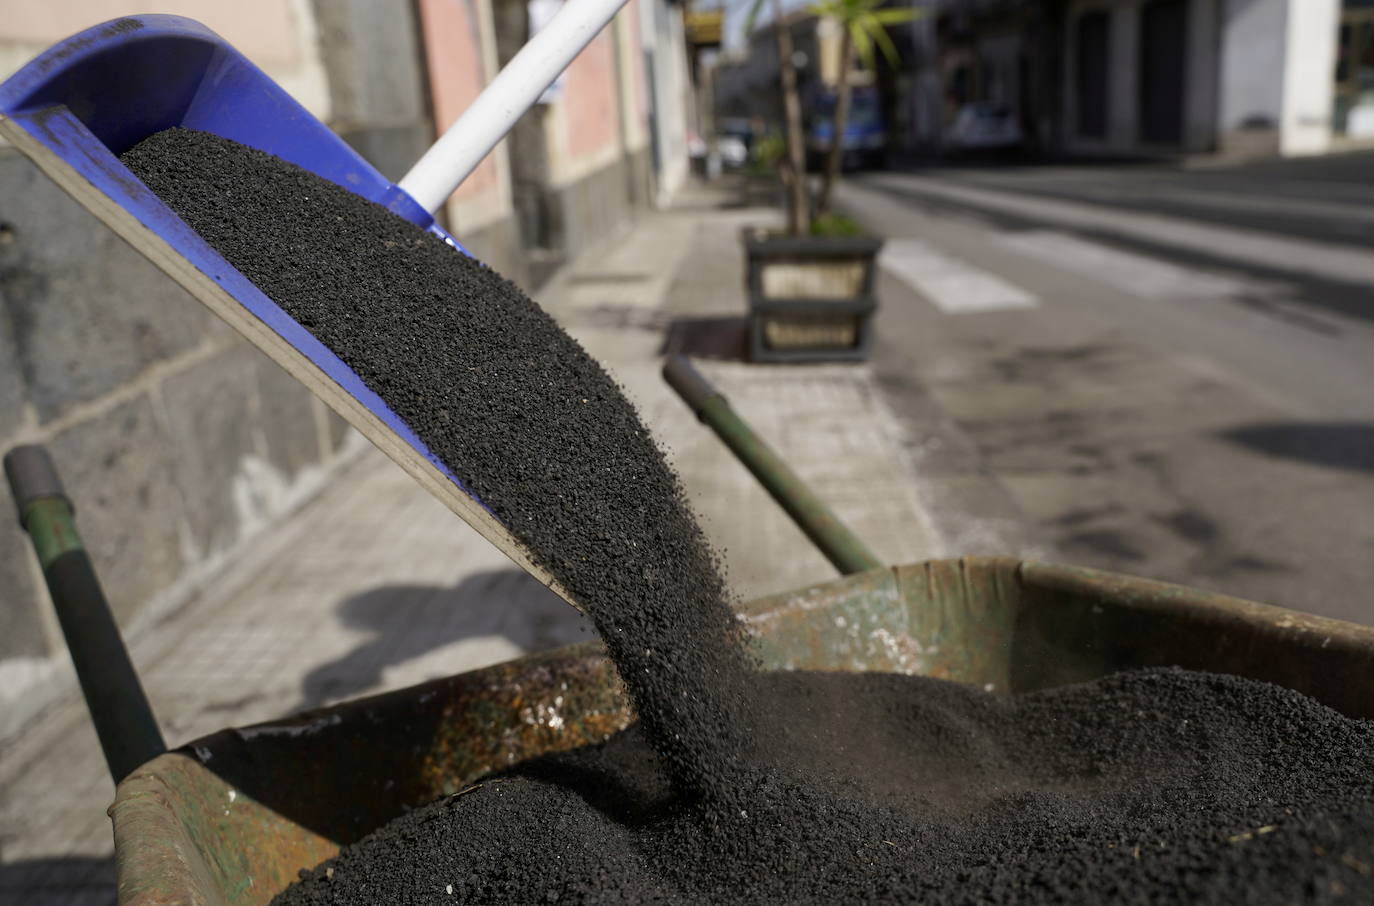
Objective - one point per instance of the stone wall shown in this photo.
(377, 88)
(602, 202)
(176, 439)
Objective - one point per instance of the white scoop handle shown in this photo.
(516, 87)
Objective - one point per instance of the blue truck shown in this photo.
(865, 131)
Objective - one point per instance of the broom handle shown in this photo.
(514, 90)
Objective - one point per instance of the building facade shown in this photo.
(1234, 77)
(1240, 77)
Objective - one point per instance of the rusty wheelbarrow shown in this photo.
(231, 818)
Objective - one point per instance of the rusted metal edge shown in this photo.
(1149, 623)
(153, 847)
(1157, 595)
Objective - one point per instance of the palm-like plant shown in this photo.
(863, 29)
(794, 167)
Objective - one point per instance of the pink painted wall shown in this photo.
(263, 29)
(640, 82)
(590, 106)
(453, 48)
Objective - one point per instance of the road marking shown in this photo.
(1332, 261)
(1138, 275)
(950, 284)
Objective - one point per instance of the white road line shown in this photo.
(1138, 275)
(1333, 261)
(950, 284)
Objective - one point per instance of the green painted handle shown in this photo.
(834, 539)
(123, 719)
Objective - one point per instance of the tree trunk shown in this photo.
(840, 121)
(797, 204)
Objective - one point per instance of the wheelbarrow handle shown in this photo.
(840, 546)
(123, 719)
(32, 476)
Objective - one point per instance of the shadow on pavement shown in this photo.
(1334, 445)
(64, 880)
(724, 339)
(506, 610)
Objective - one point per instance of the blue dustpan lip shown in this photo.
(96, 94)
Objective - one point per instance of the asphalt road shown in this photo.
(1328, 198)
(1119, 367)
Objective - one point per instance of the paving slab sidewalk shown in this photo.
(375, 586)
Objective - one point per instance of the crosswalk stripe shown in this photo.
(950, 284)
(1139, 275)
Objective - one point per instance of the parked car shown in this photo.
(733, 151)
(987, 127)
(735, 139)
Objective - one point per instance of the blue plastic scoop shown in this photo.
(85, 101)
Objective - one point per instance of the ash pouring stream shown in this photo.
(738, 785)
(530, 423)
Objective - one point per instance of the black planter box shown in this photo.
(811, 299)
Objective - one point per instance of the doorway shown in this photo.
(1092, 76)
(1163, 74)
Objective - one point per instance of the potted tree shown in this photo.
(810, 287)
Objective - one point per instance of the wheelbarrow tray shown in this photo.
(230, 820)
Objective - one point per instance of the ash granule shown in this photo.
(1152, 787)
